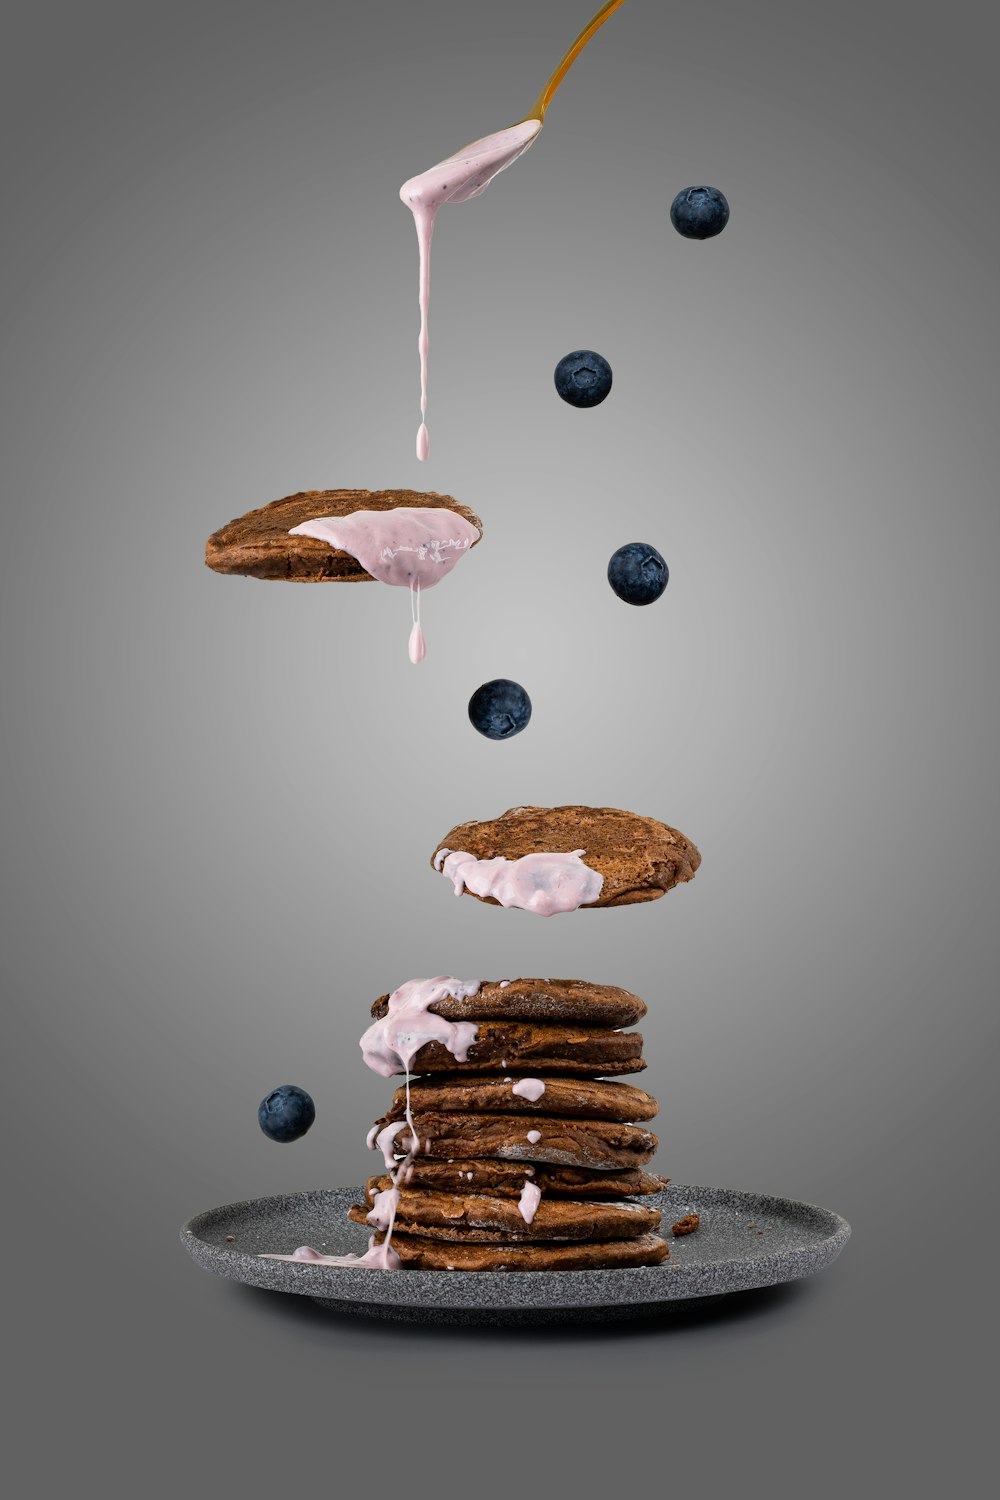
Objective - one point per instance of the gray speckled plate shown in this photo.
(745, 1240)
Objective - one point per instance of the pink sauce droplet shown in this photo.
(529, 1200)
(531, 1089)
(418, 646)
(423, 441)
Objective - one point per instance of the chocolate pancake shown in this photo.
(606, 1144)
(563, 1096)
(419, 1253)
(505, 1179)
(546, 1000)
(528, 1048)
(472, 1217)
(258, 545)
(639, 858)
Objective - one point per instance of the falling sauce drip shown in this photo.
(418, 646)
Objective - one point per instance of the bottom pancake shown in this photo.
(505, 1179)
(417, 1253)
(474, 1217)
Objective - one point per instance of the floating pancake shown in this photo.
(505, 1179)
(473, 1217)
(562, 1096)
(606, 1144)
(418, 1253)
(528, 1048)
(258, 545)
(552, 859)
(545, 1000)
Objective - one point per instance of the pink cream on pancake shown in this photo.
(541, 883)
(391, 1044)
(412, 546)
(384, 1142)
(529, 1200)
(531, 1089)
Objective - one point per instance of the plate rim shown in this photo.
(637, 1287)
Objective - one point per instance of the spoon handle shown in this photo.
(544, 99)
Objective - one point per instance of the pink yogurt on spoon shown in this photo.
(455, 180)
(389, 1046)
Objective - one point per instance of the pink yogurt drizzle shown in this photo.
(534, 1136)
(541, 883)
(531, 1089)
(384, 1142)
(412, 546)
(455, 180)
(389, 1046)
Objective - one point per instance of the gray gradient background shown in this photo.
(220, 795)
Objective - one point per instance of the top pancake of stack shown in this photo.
(542, 1000)
(545, 1026)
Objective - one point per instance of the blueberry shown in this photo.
(583, 378)
(699, 213)
(500, 709)
(637, 573)
(286, 1113)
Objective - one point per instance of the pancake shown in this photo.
(639, 858)
(606, 1144)
(505, 1179)
(475, 1218)
(418, 1253)
(257, 545)
(546, 1000)
(562, 1096)
(527, 1048)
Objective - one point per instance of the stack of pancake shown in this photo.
(525, 1157)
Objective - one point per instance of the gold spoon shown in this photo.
(545, 97)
